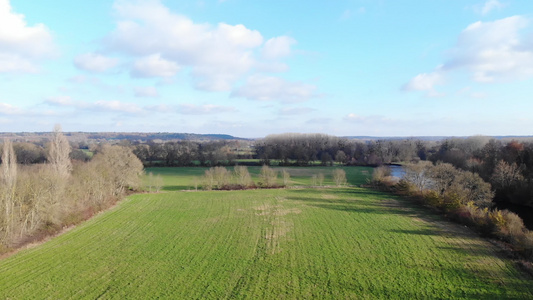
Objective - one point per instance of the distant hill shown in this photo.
(169, 136)
(113, 136)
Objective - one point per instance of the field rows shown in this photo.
(263, 244)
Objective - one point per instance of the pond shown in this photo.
(397, 171)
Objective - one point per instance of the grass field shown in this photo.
(332, 243)
(175, 179)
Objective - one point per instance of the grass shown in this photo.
(332, 243)
(176, 179)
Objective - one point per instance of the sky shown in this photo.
(253, 68)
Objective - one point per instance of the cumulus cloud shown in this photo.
(268, 88)
(278, 47)
(493, 50)
(163, 42)
(94, 62)
(146, 91)
(193, 109)
(489, 51)
(21, 45)
(218, 55)
(154, 66)
(426, 82)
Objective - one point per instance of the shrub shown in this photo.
(269, 177)
(242, 176)
(510, 226)
(432, 199)
(380, 173)
(339, 176)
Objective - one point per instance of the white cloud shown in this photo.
(8, 109)
(146, 91)
(351, 117)
(99, 106)
(278, 47)
(491, 5)
(489, 51)
(16, 63)
(493, 50)
(154, 66)
(95, 62)
(267, 88)
(163, 42)
(21, 45)
(115, 106)
(424, 82)
(193, 109)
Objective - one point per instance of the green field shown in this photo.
(331, 243)
(175, 179)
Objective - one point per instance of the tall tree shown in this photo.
(59, 155)
(9, 179)
(9, 164)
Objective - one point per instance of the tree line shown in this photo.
(506, 165)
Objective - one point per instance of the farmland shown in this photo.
(347, 242)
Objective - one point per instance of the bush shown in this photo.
(380, 174)
(269, 177)
(510, 226)
(242, 177)
(339, 176)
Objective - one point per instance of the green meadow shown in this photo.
(184, 178)
(298, 243)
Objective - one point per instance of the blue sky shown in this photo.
(252, 68)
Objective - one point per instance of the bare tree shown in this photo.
(59, 155)
(268, 176)
(505, 175)
(339, 176)
(9, 179)
(320, 179)
(242, 176)
(417, 174)
(286, 177)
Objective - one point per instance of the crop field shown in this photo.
(326, 243)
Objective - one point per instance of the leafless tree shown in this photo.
(339, 176)
(320, 179)
(59, 155)
(242, 176)
(417, 174)
(268, 176)
(9, 179)
(286, 177)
